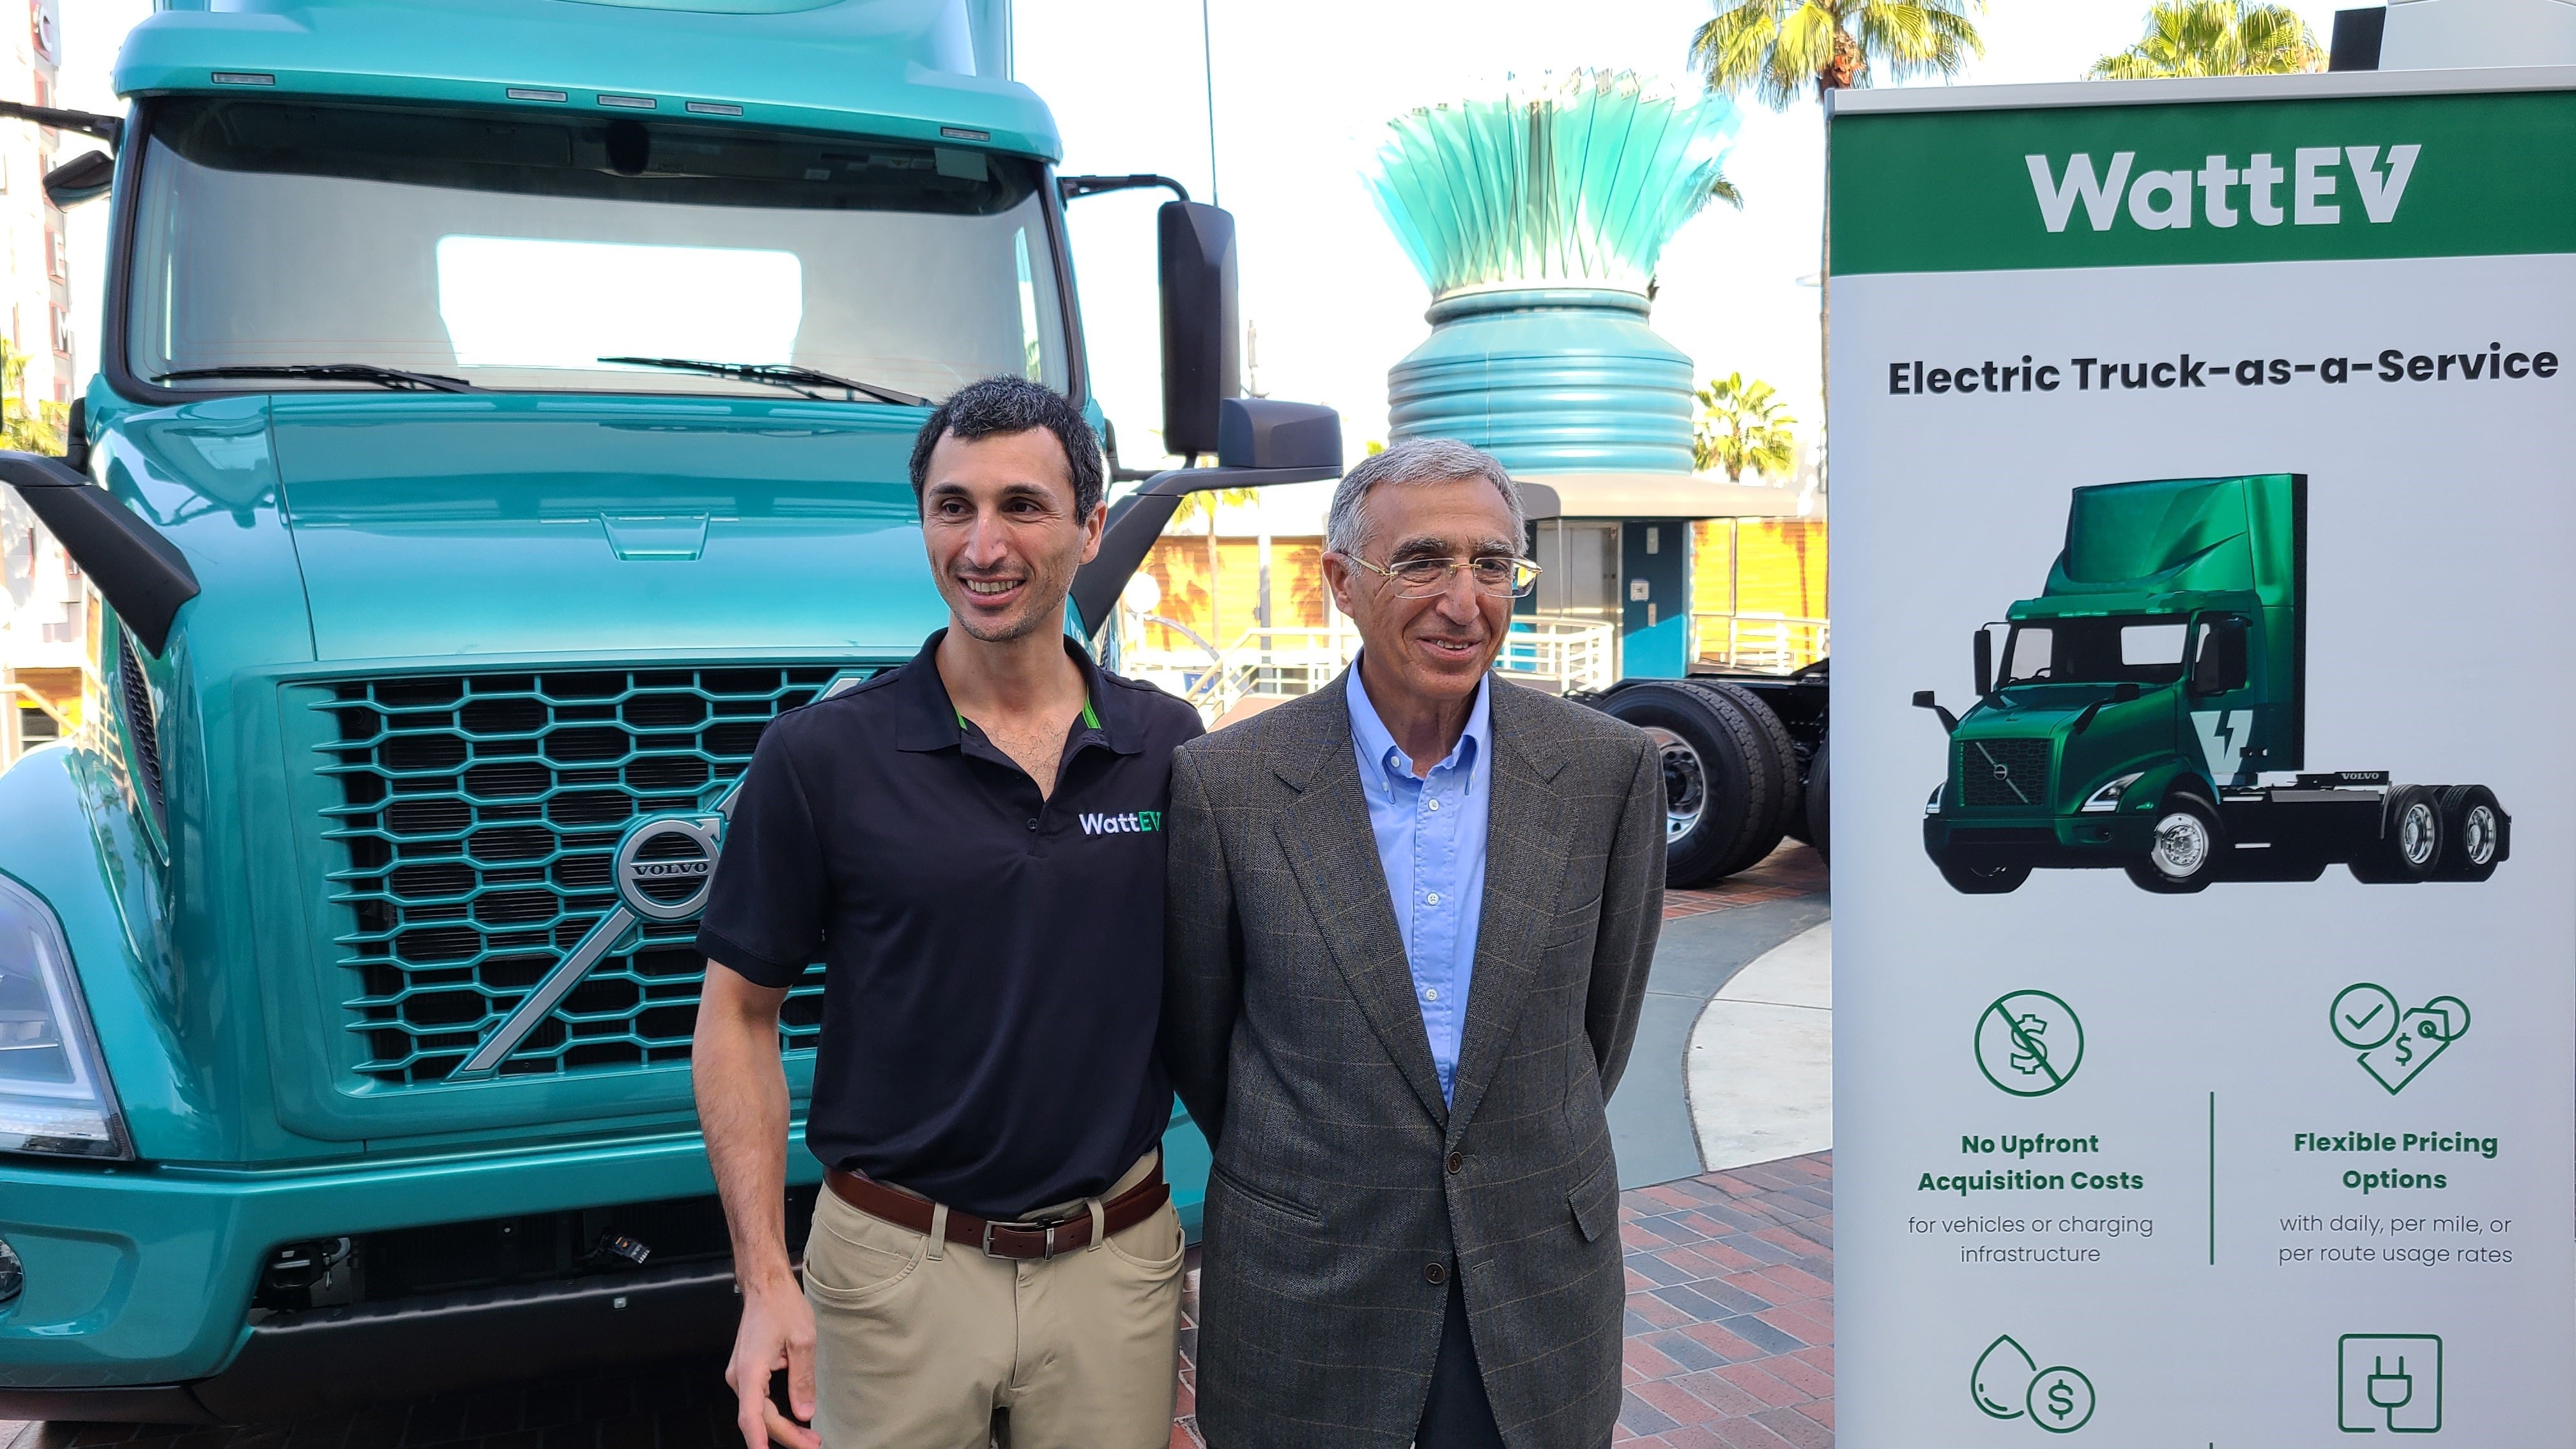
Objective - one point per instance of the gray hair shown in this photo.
(1419, 460)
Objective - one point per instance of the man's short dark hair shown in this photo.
(1005, 404)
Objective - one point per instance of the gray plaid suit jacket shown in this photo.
(1341, 1178)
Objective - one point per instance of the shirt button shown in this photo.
(1435, 1273)
(1033, 825)
(1457, 1162)
(1434, 898)
(1434, 804)
(1431, 993)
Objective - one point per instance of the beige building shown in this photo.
(48, 616)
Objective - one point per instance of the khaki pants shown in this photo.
(918, 1341)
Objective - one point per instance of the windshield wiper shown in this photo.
(329, 372)
(776, 374)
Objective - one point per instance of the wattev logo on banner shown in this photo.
(2162, 200)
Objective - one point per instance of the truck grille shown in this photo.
(479, 813)
(2004, 772)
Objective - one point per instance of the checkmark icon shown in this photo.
(2357, 1023)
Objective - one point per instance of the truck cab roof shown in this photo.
(926, 70)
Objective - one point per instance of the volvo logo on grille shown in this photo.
(2002, 771)
(666, 863)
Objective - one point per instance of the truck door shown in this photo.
(2218, 685)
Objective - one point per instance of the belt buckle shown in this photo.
(1046, 1253)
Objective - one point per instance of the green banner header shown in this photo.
(2198, 183)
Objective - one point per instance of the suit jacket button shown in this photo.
(1457, 1162)
(1434, 1273)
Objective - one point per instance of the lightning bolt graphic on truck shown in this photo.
(2147, 692)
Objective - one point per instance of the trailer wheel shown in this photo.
(1983, 880)
(1722, 782)
(2472, 832)
(1819, 816)
(1788, 801)
(2184, 856)
(2410, 844)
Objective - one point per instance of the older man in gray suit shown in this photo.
(1408, 926)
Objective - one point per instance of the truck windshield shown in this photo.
(515, 251)
(2130, 649)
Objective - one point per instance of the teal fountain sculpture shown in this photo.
(1536, 220)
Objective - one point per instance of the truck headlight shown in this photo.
(1933, 805)
(2107, 799)
(54, 1093)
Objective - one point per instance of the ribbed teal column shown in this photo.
(1549, 380)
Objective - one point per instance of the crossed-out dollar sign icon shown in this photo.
(2029, 1043)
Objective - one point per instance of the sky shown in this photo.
(1302, 92)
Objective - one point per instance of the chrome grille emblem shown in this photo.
(667, 863)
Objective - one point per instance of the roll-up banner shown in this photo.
(2205, 705)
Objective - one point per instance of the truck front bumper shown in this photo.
(2040, 842)
(136, 1305)
(139, 1281)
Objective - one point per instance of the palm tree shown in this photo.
(1779, 48)
(39, 429)
(2216, 37)
(1744, 425)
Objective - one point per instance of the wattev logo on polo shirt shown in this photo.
(2306, 191)
(1134, 822)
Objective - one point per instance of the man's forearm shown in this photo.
(1200, 996)
(1632, 912)
(742, 1107)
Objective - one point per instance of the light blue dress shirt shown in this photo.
(1431, 842)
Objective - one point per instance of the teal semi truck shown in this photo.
(2146, 693)
(504, 413)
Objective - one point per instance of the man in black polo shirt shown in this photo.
(972, 844)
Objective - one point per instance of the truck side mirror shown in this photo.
(1201, 323)
(1984, 649)
(1254, 432)
(2222, 664)
(82, 178)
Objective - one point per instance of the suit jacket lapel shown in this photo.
(1332, 851)
(1525, 862)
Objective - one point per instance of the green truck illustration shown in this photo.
(2145, 695)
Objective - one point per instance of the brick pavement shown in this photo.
(1730, 1342)
(1791, 871)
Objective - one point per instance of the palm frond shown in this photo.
(2216, 38)
(1732, 47)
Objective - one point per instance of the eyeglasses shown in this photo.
(1423, 578)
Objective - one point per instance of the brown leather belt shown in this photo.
(1043, 1239)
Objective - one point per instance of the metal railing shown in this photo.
(1774, 643)
(1551, 653)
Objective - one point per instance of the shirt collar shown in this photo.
(1474, 742)
(929, 719)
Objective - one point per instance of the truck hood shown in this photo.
(2027, 713)
(519, 526)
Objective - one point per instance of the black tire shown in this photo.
(1983, 880)
(2410, 843)
(1722, 780)
(1788, 801)
(2187, 849)
(1819, 812)
(2472, 832)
